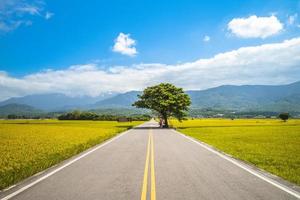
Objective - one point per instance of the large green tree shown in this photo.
(165, 99)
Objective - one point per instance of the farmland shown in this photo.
(30, 146)
(270, 144)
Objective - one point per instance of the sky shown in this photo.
(98, 46)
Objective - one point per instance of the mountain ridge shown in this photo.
(55, 101)
(230, 97)
(19, 109)
(277, 98)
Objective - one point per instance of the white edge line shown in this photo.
(62, 167)
(273, 182)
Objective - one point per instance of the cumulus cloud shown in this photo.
(125, 45)
(255, 27)
(206, 38)
(275, 63)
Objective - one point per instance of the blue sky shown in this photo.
(38, 38)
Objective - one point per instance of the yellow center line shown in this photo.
(153, 188)
(145, 180)
(150, 150)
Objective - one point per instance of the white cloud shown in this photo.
(206, 38)
(255, 27)
(10, 26)
(276, 63)
(16, 13)
(30, 9)
(6, 27)
(125, 45)
(292, 19)
(48, 15)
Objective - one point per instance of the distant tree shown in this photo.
(12, 116)
(284, 116)
(165, 99)
(77, 115)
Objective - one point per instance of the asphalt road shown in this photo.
(148, 163)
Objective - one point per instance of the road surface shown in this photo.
(149, 163)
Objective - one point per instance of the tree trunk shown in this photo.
(166, 121)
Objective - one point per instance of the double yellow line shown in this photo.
(150, 150)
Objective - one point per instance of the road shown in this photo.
(148, 163)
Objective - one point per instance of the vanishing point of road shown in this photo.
(150, 163)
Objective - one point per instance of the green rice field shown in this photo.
(270, 144)
(30, 146)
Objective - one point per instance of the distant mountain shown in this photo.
(18, 109)
(228, 97)
(290, 104)
(124, 100)
(56, 101)
(249, 97)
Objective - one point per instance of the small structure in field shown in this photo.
(259, 117)
(123, 119)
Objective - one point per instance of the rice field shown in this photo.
(270, 144)
(30, 146)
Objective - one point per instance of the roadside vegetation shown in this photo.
(270, 144)
(84, 115)
(30, 146)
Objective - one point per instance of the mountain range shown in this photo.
(229, 97)
(56, 101)
(19, 109)
(278, 98)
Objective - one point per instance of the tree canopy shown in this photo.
(284, 116)
(165, 99)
